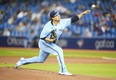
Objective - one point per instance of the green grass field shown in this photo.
(100, 70)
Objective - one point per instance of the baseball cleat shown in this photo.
(19, 63)
(65, 73)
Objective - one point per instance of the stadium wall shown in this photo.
(71, 43)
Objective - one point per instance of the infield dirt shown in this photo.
(10, 73)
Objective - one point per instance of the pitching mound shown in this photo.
(7, 73)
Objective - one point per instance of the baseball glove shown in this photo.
(53, 36)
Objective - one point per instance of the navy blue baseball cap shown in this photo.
(53, 13)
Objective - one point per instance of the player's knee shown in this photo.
(60, 50)
(60, 53)
(41, 61)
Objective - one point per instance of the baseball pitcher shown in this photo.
(48, 38)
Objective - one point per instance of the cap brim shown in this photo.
(57, 14)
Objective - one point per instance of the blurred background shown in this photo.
(21, 22)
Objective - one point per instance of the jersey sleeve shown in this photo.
(66, 22)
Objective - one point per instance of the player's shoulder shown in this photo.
(65, 19)
(48, 23)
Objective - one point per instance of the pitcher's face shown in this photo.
(56, 18)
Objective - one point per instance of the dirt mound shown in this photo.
(7, 73)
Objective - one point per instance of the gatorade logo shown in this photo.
(104, 44)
